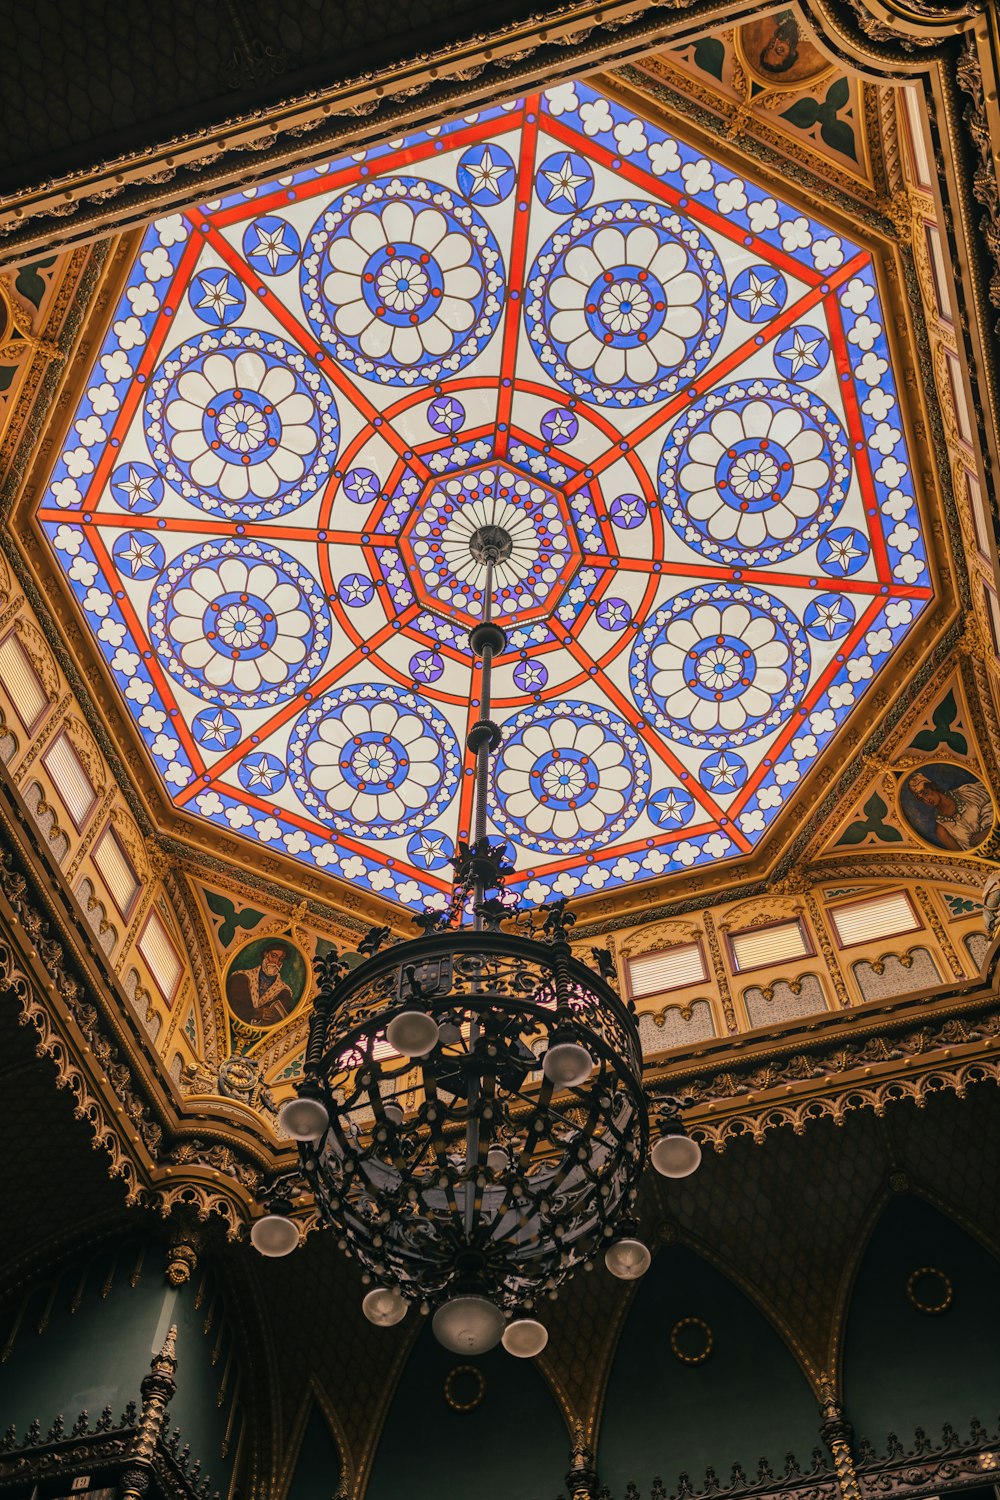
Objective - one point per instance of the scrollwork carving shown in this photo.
(761, 912)
(969, 75)
(659, 935)
(38, 654)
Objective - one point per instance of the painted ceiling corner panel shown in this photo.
(671, 388)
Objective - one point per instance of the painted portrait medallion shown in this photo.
(947, 806)
(777, 50)
(265, 981)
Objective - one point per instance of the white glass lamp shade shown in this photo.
(468, 1325)
(497, 1159)
(413, 1033)
(274, 1235)
(675, 1155)
(304, 1119)
(384, 1307)
(567, 1065)
(627, 1259)
(524, 1338)
(393, 1113)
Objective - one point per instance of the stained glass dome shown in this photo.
(673, 391)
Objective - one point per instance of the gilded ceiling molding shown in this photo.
(762, 911)
(893, 31)
(656, 935)
(569, 40)
(772, 1115)
(208, 1001)
(981, 128)
(16, 333)
(821, 929)
(886, 863)
(215, 1172)
(695, 100)
(873, 1066)
(105, 1129)
(49, 347)
(83, 298)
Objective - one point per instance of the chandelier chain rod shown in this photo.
(484, 749)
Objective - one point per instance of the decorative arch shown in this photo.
(316, 1460)
(648, 1381)
(517, 1405)
(900, 1366)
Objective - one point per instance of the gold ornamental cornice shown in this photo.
(210, 1162)
(862, 1059)
(565, 41)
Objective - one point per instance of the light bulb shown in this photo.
(274, 1235)
(384, 1307)
(413, 1033)
(627, 1259)
(567, 1065)
(675, 1155)
(468, 1325)
(497, 1159)
(393, 1113)
(304, 1119)
(524, 1338)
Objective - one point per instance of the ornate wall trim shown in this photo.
(881, 1063)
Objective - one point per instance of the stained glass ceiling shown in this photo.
(671, 388)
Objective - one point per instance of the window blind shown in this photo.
(70, 779)
(670, 969)
(883, 916)
(21, 681)
(161, 956)
(116, 870)
(769, 945)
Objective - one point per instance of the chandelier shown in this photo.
(472, 1122)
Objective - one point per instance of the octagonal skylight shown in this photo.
(672, 389)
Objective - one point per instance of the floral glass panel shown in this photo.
(673, 390)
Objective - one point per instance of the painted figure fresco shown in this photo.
(266, 981)
(778, 50)
(948, 806)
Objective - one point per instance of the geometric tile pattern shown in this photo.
(674, 391)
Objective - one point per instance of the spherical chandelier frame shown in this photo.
(468, 1169)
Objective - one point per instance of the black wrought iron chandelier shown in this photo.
(472, 1121)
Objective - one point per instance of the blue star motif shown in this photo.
(361, 486)
(356, 590)
(262, 773)
(216, 730)
(724, 772)
(564, 181)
